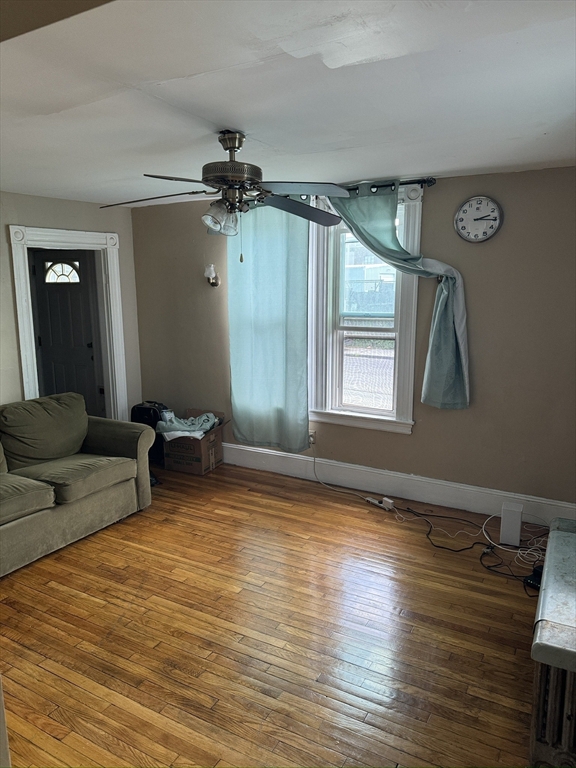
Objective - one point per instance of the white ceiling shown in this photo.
(326, 90)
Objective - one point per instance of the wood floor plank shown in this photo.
(38, 719)
(93, 749)
(103, 734)
(186, 749)
(52, 746)
(133, 741)
(24, 753)
(38, 703)
(350, 744)
(252, 619)
(60, 692)
(241, 739)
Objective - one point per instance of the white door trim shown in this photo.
(105, 245)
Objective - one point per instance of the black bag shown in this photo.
(148, 413)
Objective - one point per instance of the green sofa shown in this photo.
(64, 475)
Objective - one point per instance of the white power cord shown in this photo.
(384, 503)
(526, 557)
(402, 519)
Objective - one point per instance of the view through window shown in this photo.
(367, 300)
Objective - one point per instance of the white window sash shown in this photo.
(327, 357)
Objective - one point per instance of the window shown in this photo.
(362, 323)
(62, 272)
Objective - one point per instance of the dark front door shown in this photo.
(65, 308)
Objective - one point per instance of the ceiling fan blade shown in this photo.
(172, 178)
(304, 188)
(158, 197)
(301, 209)
(179, 178)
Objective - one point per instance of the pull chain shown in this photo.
(241, 243)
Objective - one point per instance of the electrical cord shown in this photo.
(495, 569)
(330, 487)
(488, 550)
(429, 513)
(535, 527)
(525, 556)
(431, 527)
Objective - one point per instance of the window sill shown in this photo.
(349, 419)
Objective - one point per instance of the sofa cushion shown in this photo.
(3, 464)
(80, 475)
(20, 496)
(43, 429)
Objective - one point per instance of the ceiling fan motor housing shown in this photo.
(231, 173)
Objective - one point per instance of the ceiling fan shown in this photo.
(238, 184)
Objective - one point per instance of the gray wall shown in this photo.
(30, 211)
(518, 434)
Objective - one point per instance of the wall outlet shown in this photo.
(312, 437)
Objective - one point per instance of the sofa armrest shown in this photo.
(107, 437)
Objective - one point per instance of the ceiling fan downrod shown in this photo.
(231, 141)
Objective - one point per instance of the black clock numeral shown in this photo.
(478, 202)
(484, 234)
(476, 236)
(492, 210)
(465, 210)
(460, 219)
(462, 227)
(491, 226)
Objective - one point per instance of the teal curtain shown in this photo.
(268, 316)
(370, 216)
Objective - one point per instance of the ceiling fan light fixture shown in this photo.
(216, 215)
(230, 225)
(219, 219)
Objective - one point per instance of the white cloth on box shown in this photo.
(173, 435)
(171, 427)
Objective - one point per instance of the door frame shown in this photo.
(106, 249)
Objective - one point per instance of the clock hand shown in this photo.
(482, 218)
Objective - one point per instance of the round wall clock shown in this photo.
(478, 219)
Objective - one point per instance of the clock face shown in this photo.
(478, 219)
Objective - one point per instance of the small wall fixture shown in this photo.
(211, 275)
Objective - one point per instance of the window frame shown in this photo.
(323, 295)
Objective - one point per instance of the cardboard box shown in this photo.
(192, 455)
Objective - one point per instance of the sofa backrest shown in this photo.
(3, 464)
(33, 431)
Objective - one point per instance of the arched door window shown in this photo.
(62, 272)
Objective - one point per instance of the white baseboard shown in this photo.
(485, 501)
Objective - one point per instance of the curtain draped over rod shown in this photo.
(371, 216)
(268, 316)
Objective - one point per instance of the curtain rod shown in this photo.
(429, 181)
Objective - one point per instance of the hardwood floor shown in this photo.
(252, 619)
